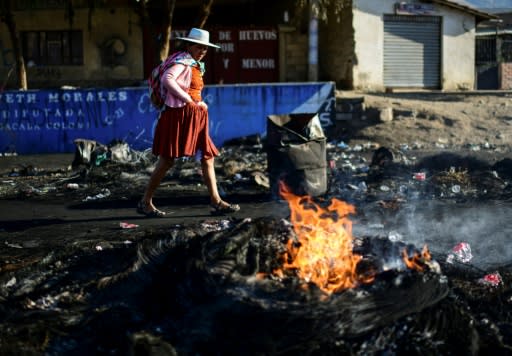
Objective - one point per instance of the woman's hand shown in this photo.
(203, 105)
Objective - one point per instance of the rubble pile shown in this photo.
(211, 287)
(359, 173)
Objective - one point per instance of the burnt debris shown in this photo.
(210, 288)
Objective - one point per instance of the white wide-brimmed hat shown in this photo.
(197, 35)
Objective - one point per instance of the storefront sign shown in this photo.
(404, 8)
(246, 55)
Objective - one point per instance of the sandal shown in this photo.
(219, 209)
(141, 209)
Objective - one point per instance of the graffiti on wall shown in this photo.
(48, 110)
(48, 121)
(53, 119)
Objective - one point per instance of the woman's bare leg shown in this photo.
(210, 179)
(161, 168)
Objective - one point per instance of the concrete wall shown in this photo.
(336, 48)
(48, 121)
(506, 76)
(457, 48)
(117, 25)
(293, 55)
(368, 71)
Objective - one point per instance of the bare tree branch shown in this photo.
(204, 13)
(8, 18)
(164, 49)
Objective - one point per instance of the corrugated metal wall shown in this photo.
(412, 51)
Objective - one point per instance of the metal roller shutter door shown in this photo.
(412, 51)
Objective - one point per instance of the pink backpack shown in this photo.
(156, 91)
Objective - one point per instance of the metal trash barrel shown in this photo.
(296, 154)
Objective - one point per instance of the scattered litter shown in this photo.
(461, 253)
(491, 280)
(419, 176)
(100, 158)
(404, 147)
(105, 192)
(11, 282)
(456, 188)
(125, 225)
(215, 225)
(121, 152)
(261, 179)
(363, 168)
(13, 245)
(357, 148)
(72, 186)
(342, 145)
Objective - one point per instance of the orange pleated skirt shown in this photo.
(182, 132)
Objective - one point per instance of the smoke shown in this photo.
(483, 225)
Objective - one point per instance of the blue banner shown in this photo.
(48, 121)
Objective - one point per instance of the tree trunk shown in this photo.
(8, 18)
(164, 46)
(205, 12)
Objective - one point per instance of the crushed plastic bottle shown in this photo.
(419, 176)
(126, 225)
(461, 253)
(491, 279)
(456, 188)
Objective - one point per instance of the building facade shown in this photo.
(413, 44)
(369, 45)
(81, 47)
(494, 53)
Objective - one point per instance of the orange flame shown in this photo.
(324, 253)
(417, 260)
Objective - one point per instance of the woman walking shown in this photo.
(182, 128)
